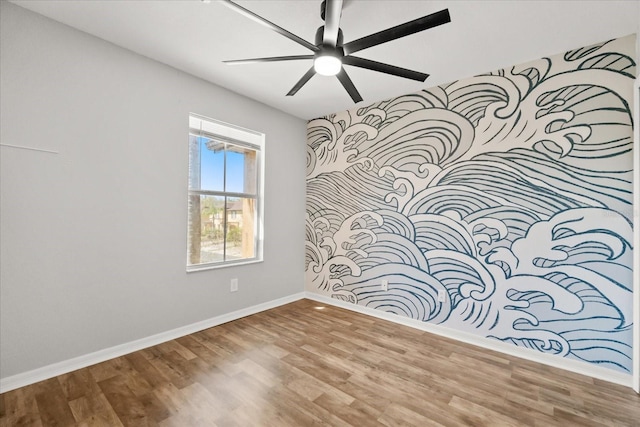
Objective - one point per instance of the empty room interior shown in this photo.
(344, 213)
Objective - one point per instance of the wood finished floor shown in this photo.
(299, 365)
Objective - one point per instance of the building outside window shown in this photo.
(225, 194)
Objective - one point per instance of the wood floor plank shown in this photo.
(130, 410)
(145, 369)
(169, 366)
(20, 408)
(307, 364)
(76, 384)
(354, 415)
(52, 405)
(398, 415)
(481, 415)
(94, 409)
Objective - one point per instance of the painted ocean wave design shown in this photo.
(510, 191)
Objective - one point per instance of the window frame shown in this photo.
(201, 126)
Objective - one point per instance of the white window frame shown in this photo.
(225, 132)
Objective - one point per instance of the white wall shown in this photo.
(93, 239)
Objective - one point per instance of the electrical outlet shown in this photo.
(442, 295)
(234, 285)
(385, 285)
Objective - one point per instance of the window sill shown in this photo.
(204, 267)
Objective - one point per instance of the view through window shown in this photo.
(225, 165)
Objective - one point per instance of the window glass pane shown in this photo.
(211, 164)
(206, 229)
(241, 226)
(241, 169)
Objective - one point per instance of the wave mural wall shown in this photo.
(511, 192)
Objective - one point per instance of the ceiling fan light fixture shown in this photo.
(327, 65)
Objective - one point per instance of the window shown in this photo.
(225, 194)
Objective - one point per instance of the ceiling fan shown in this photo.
(330, 53)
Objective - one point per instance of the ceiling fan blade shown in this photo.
(333, 10)
(384, 68)
(302, 81)
(398, 31)
(348, 85)
(259, 19)
(269, 59)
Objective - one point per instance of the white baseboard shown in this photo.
(53, 370)
(66, 366)
(576, 366)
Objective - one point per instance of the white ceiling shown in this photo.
(196, 37)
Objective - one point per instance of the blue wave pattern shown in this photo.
(510, 191)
